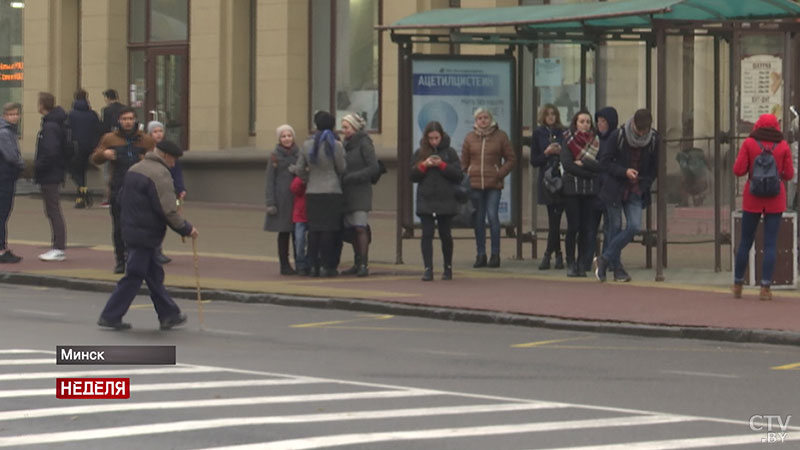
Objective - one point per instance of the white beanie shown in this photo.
(355, 120)
(283, 128)
(153, 124)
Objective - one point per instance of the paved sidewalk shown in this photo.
(237, 262)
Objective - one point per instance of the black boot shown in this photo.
(120, 267)
(87, 199)
(448, 273)
(283, 254)
(80, 201)
(480, 261)
(545, 264)
(363, 270)
(354, 269)
(572, 270)
(559, 262)
(494, 261)
(428, 274)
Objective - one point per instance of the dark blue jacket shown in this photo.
(111, 116)
(614, 157)
(85, 126)
(541, 138)
(147, 200)
(11, 163)
(49, 164)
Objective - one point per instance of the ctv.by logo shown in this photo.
(773, 423)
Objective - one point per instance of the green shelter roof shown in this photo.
(620, 14)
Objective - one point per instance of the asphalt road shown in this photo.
(263, 376)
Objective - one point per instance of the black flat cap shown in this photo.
(170, 148)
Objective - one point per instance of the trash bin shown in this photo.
(785, 276)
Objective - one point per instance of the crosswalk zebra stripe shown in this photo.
(224, 402)
(753, 438)
(448, 433)
(26, 362)
(122, 372)
(170, 386)
(193, 425)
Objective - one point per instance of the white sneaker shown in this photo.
(53, 255)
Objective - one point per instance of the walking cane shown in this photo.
(197, 281)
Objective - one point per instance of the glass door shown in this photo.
(167, 92)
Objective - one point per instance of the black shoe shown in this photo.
(494, 261)
(480, 261)
(363, 271)
(351, 271)
(103, 322)
(559, 262)
(314, 272)
(287, 270)
(303, 272)
(167, 324)
(163, 259)
(600, 270)
(119, 268)
(572, 270)
(428, 274)
(328, 273)
(448, 273)
(9, 258)
(545, 264)
(621, 275)
(80, 203)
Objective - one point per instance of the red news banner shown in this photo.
(106, 388)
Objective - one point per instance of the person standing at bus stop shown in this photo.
(766, 159)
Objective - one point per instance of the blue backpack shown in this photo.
(764, 179)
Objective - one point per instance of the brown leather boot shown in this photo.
(737, 290)
(765, 294)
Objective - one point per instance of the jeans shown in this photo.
(554, 213)
(142, 265)
(617, 237)
(428, 225)
(52, 209)
(7, 188)
(487, 205)
(750, 221)
(300, 229)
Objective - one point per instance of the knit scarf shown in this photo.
(634, 140)
(483, 132)
(583, 145)
(328, 137)
(767, 134)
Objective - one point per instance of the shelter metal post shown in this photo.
(517, 185)
(661, 211)
(733, 115)
(403, 142)
(534, 170)
(717, 162)
(583, 76)
(648, 92)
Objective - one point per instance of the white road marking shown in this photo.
(700, 374)
(122, 372)
(193, 425)
(170, 386)
(447, 433)
(754, 438)
(212, 403)
(36, 312)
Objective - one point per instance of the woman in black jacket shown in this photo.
(581, 186)
(546, 145)
(437, 169)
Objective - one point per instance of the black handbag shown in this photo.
(552, 180)
(462, 189)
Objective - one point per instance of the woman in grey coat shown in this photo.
(362, 165)
(279, 197)
(321, 164)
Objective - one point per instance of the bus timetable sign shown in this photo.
(11, 72)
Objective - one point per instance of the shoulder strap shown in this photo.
(761, 146)
(620, 137)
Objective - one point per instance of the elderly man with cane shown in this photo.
(148, 206)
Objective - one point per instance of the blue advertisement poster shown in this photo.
(450, 90)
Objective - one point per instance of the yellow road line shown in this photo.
(795, 366)
(339, 322)
(554, 341)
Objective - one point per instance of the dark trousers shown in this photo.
(428, 224)
(52, 209)
(116, 227)
(772, 223)
(78, 166)
(7, 188)
(554, 213)
(323, 249)
(579, 209)
(141, 265)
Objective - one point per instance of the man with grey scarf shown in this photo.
(630, 158)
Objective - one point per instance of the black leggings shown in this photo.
(428, 225)
(322, 249)
(579, 209)
(554, 213)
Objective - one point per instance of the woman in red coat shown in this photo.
(765, 137)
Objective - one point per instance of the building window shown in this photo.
(11, 64)
(346, 58)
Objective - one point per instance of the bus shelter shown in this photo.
(739, 95)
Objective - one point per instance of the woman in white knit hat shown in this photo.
(362, 165)
(279, 197)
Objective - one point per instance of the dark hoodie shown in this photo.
(11, 163)
(85, 126)
(49, 164)
(611, 116)
(436, 192)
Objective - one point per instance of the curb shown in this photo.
(441, 313)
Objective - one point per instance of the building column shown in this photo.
(50, 52)
(282, 83)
